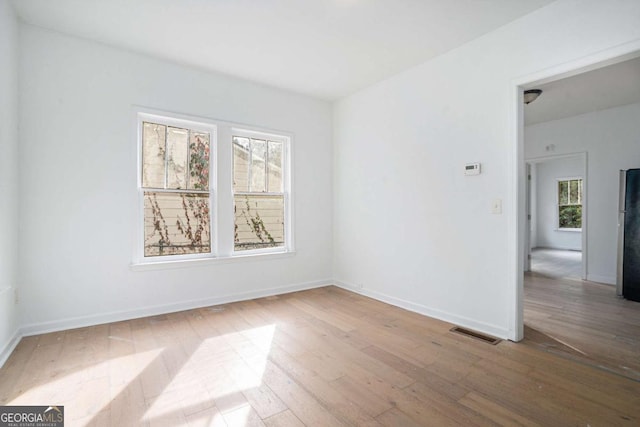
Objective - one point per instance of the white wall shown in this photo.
(8, 175)
(547, 175)
(611, 139)
(409, 227)
(78, 182)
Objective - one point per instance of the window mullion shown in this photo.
(579, 191)
(250, 166)
(257, 193)
(187, 169)
(174, 190)
(166, 156)
(224, 192)
(266, 167)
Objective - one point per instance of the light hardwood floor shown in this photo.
(584, 321)
(557, 263)
(325, 357)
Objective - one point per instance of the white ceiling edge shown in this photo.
(326, 49)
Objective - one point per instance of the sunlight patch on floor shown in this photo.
(89, 389)
(193, 391)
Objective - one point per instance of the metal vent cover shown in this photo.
(476, 335)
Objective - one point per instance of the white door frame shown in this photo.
(583, 156)
(516, 185)
(529, 216)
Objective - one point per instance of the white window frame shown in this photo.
(221, 201)
(286, 187)
(191, 124)
(558, 181)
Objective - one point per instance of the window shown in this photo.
(258, 192)
(183, 216)
(570, 203)
(176, 189)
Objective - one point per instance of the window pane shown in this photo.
(176, 223)
(563, 192)
(258, 154)
(259, 222)
(574, 191)
(177, 157)
(570, 216)
(240, 164)
(199, 161)
(580, 191)
(153, 152)
(274, 168)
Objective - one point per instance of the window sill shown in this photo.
(570, 230)
(203, 262)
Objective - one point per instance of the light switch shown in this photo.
(496, 207)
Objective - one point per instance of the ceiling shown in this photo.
(607, 87)
(324, 48)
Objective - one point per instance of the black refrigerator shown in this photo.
(628, 274)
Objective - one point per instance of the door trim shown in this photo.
(515, 186)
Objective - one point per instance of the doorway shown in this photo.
(517, 187)
(562, 313)
(556, 231)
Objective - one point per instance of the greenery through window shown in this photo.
(258, 191)
(570, 203)
(175, 184)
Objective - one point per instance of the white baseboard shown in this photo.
(607, 280)
(84, 321)
(9, 347)
(493, 330)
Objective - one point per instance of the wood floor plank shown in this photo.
(329, 357)
(459, 413)
(208, 418)
(395, 417)
(264, 401)
(304, 405)
(371, 403)
(599, 327)
(334, 402)
(494, 411)
(418, 374)
(283, 419)
(14, 368)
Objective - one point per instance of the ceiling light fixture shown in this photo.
(531, 95)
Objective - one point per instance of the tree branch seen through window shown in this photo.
(570, 203)
(175, 180)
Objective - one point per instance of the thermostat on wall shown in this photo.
(472, 169)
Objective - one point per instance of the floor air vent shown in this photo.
(476, 335)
